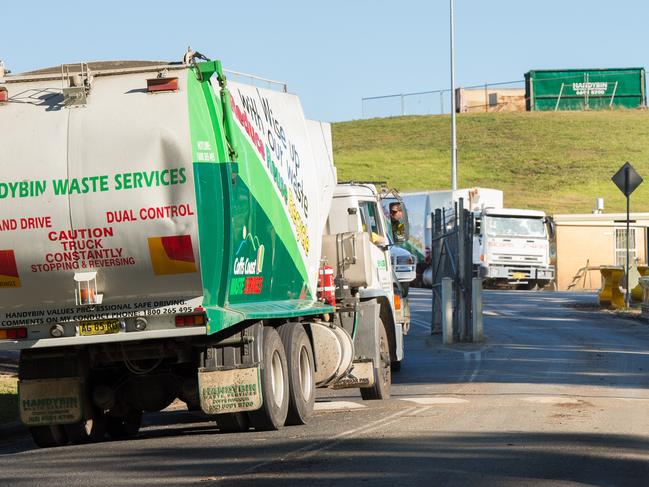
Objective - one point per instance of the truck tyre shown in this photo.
(88, 431)
(49, 436)
(382, 373)
(124, 427)
(405, 287)
(274, 384)
(529, 285)
(301, 373)
(233, 422)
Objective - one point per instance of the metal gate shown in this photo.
(451, 257)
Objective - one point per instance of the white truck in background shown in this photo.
(510, 246)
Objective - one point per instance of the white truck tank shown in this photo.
(103, 188)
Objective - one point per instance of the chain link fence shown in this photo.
(485, 97)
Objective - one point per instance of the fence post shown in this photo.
(556, 107)
(486, 97)
(476, 298)
(461, 286)
(447, 310)
(436, 270)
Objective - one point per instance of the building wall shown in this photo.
(490, 100)
(579, 245)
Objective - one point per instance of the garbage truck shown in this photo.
(166, 233)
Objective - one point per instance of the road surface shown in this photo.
(556, 395)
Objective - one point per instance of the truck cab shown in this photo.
(356, 208)
(512, 246)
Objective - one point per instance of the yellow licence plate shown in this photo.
(518, 275)
(100, 327)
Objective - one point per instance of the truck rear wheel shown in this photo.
(49, 436)
(233, 422)
(124, 427)
(274, 384)
(88, 431)
(382, 372)
(301, 373)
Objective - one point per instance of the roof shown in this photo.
(95, 66)
(600, 219)
(578, 70)
(354, 189)
(513, 212)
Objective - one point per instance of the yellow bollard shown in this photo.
(617, 295)
(636, 292)
(610, 293)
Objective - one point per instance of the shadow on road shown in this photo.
(534, 338)
(430, 459)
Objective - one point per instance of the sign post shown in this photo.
(627, 180)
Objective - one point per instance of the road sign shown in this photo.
(627, 179)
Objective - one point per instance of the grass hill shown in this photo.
(558, 162)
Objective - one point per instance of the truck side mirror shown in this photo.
(477, 226)
(549, 221)
(400, 231)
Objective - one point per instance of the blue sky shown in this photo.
(334, 53)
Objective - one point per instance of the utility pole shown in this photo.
(453, 120)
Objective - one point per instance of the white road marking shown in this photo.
(420, 324)
(476, 358)
(337, 406)
(551, 400)
(319, 446)
(434, 400)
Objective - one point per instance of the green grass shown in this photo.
(558, 162)
(8, 400)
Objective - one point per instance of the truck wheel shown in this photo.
(382, 373)
(301, 380)
(124, 427)
(88, 431)
(529, 285)
(274, 384)
(233, 422)
(405, 287)
(49, 436)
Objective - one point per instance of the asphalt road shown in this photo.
(556, 395)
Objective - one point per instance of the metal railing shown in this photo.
(256, 80)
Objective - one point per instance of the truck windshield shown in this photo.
(512, 226)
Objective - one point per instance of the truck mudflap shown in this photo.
(50, 401)
(230, 390)
(361, 375)
(367, 337)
